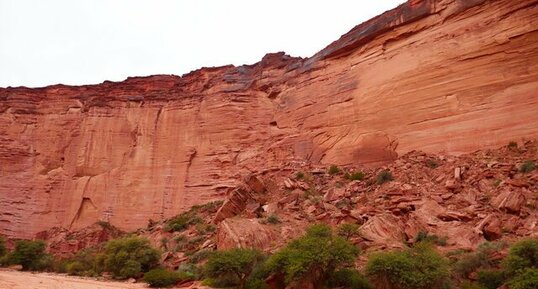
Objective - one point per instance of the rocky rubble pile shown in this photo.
(463, 200)
(460, 201)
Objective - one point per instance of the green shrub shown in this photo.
(425, 237)
(256, 283)
(200, 255)
(210, 207)
(512, 145)
(522, 255)
(161, 278)
(3, 249)
(273, 219)
(417, 268)
(481, 258)
(491, 279)
(356, 176)
(432, 164)
(348, 278)
(127, 257)
(527, 167)
(76, 268)
(315, 256)
(299, 175)
(384, 176)
(31, 255)
(527, 279)
(233, 265)
(333, 170)
(182, 222)
(348, 230)
(83, 264)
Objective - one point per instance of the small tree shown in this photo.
(522, 255)
(313, 257)
(30, 254)
(348, 230)
(417, 268)
(233, 264)
(527, 279)
(127, 257)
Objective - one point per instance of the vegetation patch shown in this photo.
(355, 176)
(333, 170)
(158, 278)
(313, 257)
(232, 266)
(30, 255)
(527, 167)
(128, 257)
(384, 176)
(419, 267)
(182, 222)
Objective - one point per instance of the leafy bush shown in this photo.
(384, 176)
(31, 255)
(527, 167)
(522, 255)
(417, 268)
(189, 272)
(512, 145)
(299, 175)
(527, 279)
(425, 237)
(356, 176)
(491, 279)
(83, 264)
(348, 230)
(161, 278)
(127, 257)
(314, 256)
(234, 265)
(182, 222)
(333, 170)
(482, 258)
(348, 278)
(273, 219)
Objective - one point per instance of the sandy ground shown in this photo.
(26, 280)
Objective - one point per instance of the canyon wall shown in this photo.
(443, 76)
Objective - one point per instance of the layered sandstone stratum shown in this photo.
(442, 76)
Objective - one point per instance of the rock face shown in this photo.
(435, 75)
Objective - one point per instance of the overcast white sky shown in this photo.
(83, 42)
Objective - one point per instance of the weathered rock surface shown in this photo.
(435, 75)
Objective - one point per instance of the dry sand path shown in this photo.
(26, 280)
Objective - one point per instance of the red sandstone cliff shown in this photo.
(446, 76)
